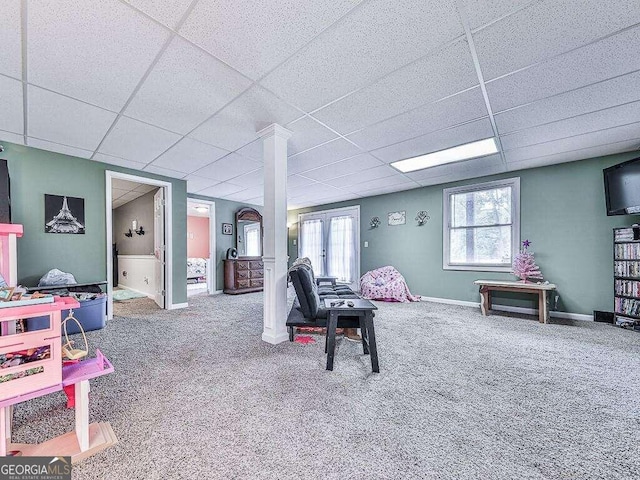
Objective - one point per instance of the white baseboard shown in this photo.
(177, 306)
(508, 308)
(217, 292)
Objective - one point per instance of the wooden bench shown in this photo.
(540, 289)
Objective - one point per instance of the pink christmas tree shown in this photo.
(524, 265)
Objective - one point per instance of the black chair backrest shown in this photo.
(306, 290)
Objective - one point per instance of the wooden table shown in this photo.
(362, 309)
(540, 289)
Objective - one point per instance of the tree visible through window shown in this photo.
(481, 225)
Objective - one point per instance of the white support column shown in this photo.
(274, 249)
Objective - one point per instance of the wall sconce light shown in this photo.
(375, 222)
(135, 228)
(422, 217)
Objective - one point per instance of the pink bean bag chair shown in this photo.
(386, 284)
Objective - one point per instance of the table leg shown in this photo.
(82, 414)
(484, 300)
(543, 309)
(331, 338)
(368, 319)
(5, 430)
(363, 334)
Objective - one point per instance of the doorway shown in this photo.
(201, 247)
(331, 240)
(138, 239)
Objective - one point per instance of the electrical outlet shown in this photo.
(295, 242)
(366, 244)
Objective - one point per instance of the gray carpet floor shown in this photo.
(197, 394)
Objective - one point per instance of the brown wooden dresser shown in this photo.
(243, 275)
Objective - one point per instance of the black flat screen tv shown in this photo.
(622, 188)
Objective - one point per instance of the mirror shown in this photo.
(248, 232)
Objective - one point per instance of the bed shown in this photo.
(196, 270)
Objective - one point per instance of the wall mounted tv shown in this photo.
(622, 188)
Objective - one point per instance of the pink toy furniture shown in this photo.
(386, 284)
(31, 366)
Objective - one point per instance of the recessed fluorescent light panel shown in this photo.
(455, 154)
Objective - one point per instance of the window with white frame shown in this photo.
(481, 226)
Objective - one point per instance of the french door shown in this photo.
(331, 240)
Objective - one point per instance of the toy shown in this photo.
(67, 348)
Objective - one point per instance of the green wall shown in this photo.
(225, 213)
(35, 172)
(562, 213)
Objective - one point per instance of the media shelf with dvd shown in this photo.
(626, 277)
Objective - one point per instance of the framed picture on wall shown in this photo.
(397, 218)
(63, 214)
(227, 229)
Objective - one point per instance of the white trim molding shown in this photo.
(168, 229)
(177, 306)
(508, 308)
(514, 183)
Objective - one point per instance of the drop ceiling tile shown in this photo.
(395, 180)
(463, 175)
(316, 190)
(189, 155)
(575, 155)
(256, 201)
(473, 165)
(228, 167)
(117, 203)
(60, 119)
(481, 12)
(353, 179)
(11, 137)
(307, 133)
(548, 28)
(613, 56)
(435, 141)
(298, 181)
(389, 189)
(236, 125)
(143, 188)
(244, 195)
(432, 78)
(195, 183)
(254, 37)
(356, 164)
(251, 179)
(590, 122)
(164, 171)
(10, 39)
(252, 150)
(96, 52)
(220, 190)
(446, 113)
(12, 118)
(125, 185)
(121, 162)
(137, 141)
(378, 38)
(324, 154)
(598, 96)
(128, 197)
(167, 12)
(185, 88)
(55, 147)
(594, 139)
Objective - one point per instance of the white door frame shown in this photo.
(334, 211)
(211, 265)
(168, 231)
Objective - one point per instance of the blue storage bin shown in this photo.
(91, 315)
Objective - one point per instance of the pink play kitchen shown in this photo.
(31, 364)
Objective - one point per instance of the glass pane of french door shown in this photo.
(341, 248)
(312, 243)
